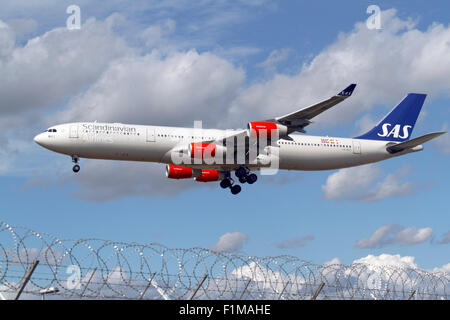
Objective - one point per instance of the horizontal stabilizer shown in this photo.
(413, 142)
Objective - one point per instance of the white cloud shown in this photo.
(445, 269)
(55, 65)
(338, 184)
(152, 89)
(6, 40)
(230, 242)
(296, 242)
(47, 70)
(156, 34)
(274, 58)
(360, 183)
(395, 234)
(388, 260)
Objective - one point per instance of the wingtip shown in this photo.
(347, 92)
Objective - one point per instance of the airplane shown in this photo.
(200, 153)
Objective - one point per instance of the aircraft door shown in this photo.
(356, 147)
(73, 132)
(150, 135)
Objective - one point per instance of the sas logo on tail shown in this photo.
(395, 131)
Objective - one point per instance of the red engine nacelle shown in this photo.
(177, 172)
(209, 175)
(257, 129)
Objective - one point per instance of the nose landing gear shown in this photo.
(76, 167)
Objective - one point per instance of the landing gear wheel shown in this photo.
(76, 167)
(243, 179)
(235, 189)
(251, 178)
(225, 183)
(240, 172)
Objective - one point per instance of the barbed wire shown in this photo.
(102, 269)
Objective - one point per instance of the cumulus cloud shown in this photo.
(48, 69)
(384, 259)
(157, 35)
(445, 269)
(152, 89)
(55, 65)
(230, 242)
(274, 58)
(392, 234)
(392, 260)
(296, 242)
(363, 183)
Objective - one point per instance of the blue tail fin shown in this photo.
(399, 123)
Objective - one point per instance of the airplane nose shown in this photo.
(39, 139)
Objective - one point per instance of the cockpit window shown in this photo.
(50, 130)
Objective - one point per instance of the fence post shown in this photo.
(26, 278)
(245, 289)
(197, 287)
(314, 297)
(148, 286)
(282, 291)
(87, 284)
(411, 295)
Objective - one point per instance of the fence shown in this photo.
(100, 269)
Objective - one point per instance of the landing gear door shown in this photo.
(73, 133)
(356, 147)
(150, 135)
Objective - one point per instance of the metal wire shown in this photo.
(101, 269)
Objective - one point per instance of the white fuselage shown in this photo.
(115, 141)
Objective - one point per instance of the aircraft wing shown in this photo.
(297, 120)
(294, 121)
(413, 142)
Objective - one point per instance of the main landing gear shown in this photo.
(243, 174)
(228, 182)
(76, 167)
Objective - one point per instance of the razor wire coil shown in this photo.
(102, 269)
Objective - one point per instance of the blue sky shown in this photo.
(317, 47)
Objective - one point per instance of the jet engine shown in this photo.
(209, 175)
(257, 129)
(177, 172)
(202, 175)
